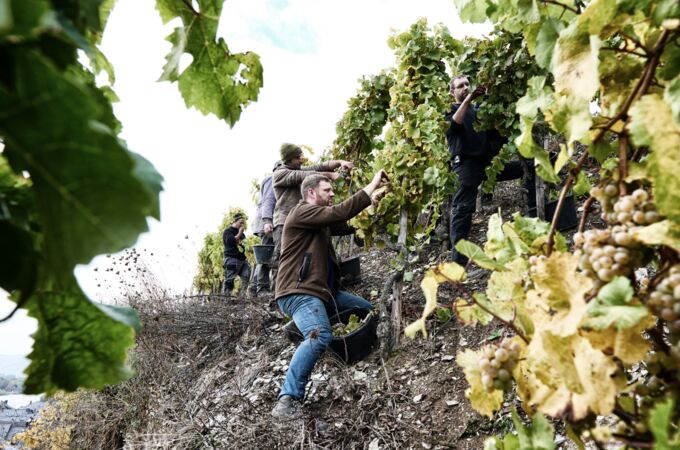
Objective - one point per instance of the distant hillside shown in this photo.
(13, 365)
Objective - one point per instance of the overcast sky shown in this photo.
(312, 51)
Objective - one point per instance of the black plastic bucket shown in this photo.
(263, 253)
(351, 347)
(568, 217)
(350, 271)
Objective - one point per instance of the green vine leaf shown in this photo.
(540, 436)
(660, 422)
(217, 81)
(78, 343)
(104, 202)
(476, 254)
(613, 308)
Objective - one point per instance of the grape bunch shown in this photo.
(636, 209)
(664, 301)
(496, 364)
(605, 254)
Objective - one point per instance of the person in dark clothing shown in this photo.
(264, 228)
(471, 152)
(308, 287)
(235, 264)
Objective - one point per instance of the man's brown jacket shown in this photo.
(308, 264)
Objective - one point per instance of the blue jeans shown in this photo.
(310, 314)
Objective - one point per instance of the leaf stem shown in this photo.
(471, 299)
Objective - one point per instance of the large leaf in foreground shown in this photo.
(78, 343)
(93, 195)
(217, 81)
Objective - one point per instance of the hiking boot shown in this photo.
(287, 408)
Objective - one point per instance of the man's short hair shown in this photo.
(457, 77)
(238, 216)
(312, 182)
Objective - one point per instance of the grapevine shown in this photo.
(602, 338)
(414, 154)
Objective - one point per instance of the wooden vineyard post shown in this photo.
(540, 188)
(399, 282)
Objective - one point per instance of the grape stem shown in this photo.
(584, 215)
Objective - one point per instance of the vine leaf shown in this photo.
(652, 125)
(471, 313)
(660, 421)
(546, 40)
(444, 272)
(558, 298)
(659, 233)
(476, 254)
(103, 193)
(474, 11)
(78, 343)
(567, 377)
(540, 436)
(627, 344)
(217, 81)
(92, 196)
(613, 307)
(672, 96)
(485, 403)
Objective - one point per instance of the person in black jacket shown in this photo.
(235, 264)
(471, 152)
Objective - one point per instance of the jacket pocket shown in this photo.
(304, 268)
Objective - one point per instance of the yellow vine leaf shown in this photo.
(652, 125)
(506, 293)
(471, 314)
(485, 403)
(558, 298)
(659, 233)
(629, 345)
(433, 277)
(567, 377)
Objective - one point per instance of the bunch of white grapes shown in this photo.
(664, 301)
(605, 254)
(496, 364)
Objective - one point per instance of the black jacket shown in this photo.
(232, 247)
(463, 140)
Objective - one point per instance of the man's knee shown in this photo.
(321, 337)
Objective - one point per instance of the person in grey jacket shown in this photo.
(286, 181)
(264, 227)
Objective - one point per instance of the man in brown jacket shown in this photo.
(286, 180)
(307, 286)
